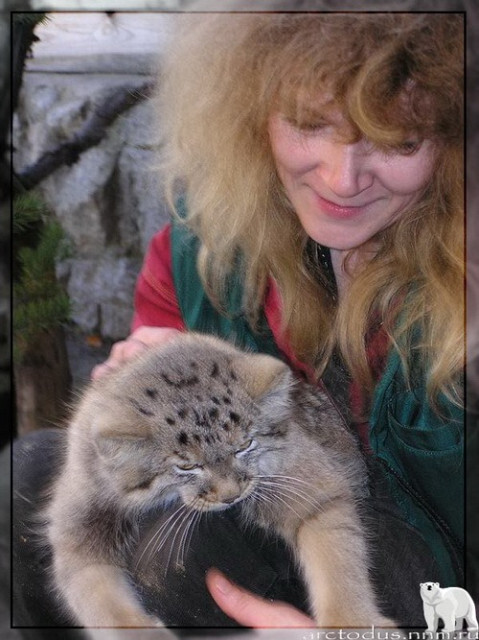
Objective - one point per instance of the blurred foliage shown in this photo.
(39, 300)
(29, 211)
(30, 19)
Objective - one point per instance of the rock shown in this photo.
(101, 290)
(141, 207)
(109, 202)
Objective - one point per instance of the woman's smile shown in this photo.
(345, 193)
(338, 210)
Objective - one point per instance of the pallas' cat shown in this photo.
(199, 423)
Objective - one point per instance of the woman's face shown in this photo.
(343, 194)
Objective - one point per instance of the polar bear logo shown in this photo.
(452, 604)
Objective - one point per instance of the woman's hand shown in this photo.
(138, 341)
(251, 610)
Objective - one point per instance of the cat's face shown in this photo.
(195, 419)
(215, 470)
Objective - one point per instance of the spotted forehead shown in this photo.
(203, 394)
(183, 367)
(193, 378)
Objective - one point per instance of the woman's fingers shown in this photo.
(136, 343)
(251, 610)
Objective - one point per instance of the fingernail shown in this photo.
(223, 584)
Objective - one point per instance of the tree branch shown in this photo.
(91, 134)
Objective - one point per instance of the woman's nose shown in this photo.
(345, 169)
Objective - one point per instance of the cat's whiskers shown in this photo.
(257, 500)
(188, 534)
(192, 514)
(291, 483)
(275, 476)
(286, 503)
(158, 534)
(183, 519)
(326, 498)
(262, 498)
(167, 526)
(284, 498)
(293, 491)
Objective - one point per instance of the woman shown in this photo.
(315, 164)
(297, 140)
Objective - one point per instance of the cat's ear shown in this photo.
(262, 374)
(117, 437)
(269, 381)
(118, 421)
(105, 426)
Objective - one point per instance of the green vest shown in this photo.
(422, 454)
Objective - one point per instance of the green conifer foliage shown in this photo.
(39, 301)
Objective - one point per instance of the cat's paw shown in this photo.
(385, 623)
(389, 626)
(155, 633)
(166, 634)
(133, 620)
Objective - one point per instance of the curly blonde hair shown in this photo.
(221, 81)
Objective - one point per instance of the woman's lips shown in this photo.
(334, 210)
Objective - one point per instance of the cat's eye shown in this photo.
(246, 447)
(188, 468)
(143, 485)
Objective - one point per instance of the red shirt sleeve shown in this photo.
(156, 304)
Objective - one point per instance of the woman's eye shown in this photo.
(247, 446)
(186, 468)
(307, 126)
(410, 146)
(311, 127)
(320, 123)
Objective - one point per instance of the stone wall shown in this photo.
(110, 202)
